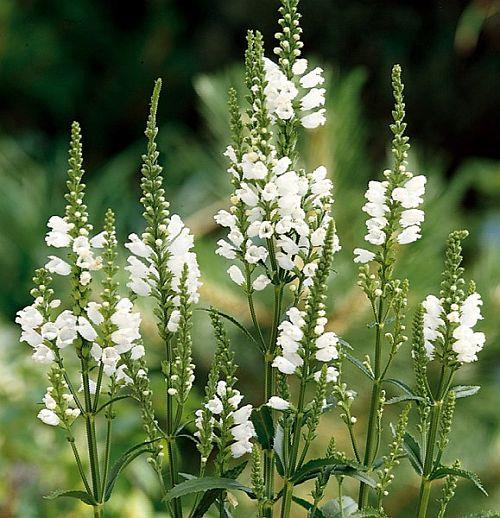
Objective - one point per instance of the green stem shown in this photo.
(372, 437)
(107, 451)
(425, 486)
(269, 390)
(98, 511)
(91, 435)
(78, 460)
(288, 486)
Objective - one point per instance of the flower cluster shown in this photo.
(125, 338)
(467, 343)
(178, 243)
(289, 340)
(283, 97)
(381, 202)
(61, 236)
(284, 208)
(51, 414)
(238, 419)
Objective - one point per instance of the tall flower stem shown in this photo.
(91, 434)
(288, 486)
(269, 389)
(425, 485)
(373, 433)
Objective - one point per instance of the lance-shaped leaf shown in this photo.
(241, 327)
(264, 427)
(465, 390)
(307, 505)
(312, 468)
(210, 496)
(200, 485)
(443, 471)
(122, 462)
(413, 450)
(359, 364)
(79, 495)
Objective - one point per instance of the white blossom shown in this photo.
(278, 403)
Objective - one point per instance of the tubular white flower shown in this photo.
(363, 256)
(57, 265)
(278, 403)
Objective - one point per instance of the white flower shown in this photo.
(85, 329)
(375, 237)
(278, 403)
(363, 256)
(48, 417)
(332, 375)
(254, 254)
(59, 236)
(409, 235)
(138, 247)
(224, 219)
(42, 354)
(242, 415)
(139, 287)
(313, 120)
(327, 354)
(260, 282)
(99, 241)
(283, 365)
(137, 352)
(94, 313)
(173, 321)
(327, 340)
(214, 406)
(85, 278)
(56, 265)
(29, 318)
(470, 311)
(312, 78)
(411, 217)
(236, 275)
(313, 99)
(109, 358)
(299, 67)
(410, 195)
(238, 449)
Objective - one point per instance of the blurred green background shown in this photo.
(96, 61)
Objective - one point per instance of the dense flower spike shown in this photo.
(393, 203)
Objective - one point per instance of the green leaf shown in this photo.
(404, 387)
(264, 427)
(199, 485)
(307, 505)
(312, 468)
(333, 508)
(405, 397)
(79, 495)
(465, 390)
(412, 449)
(231, 319)
(359, 364)
(443, 471)
(122, 462)
(210, 496)
(279, 437)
